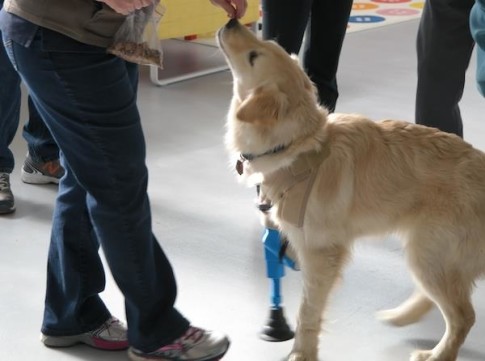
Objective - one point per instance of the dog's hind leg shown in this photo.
(459, 318)
(445, 283)
(320, 269)
(410, 311)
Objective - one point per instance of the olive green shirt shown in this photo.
(88, 21)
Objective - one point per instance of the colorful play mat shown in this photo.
(195, 20)
(368, 14)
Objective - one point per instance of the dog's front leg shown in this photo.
(320, 269)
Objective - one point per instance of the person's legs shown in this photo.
(75, 277)
(323, 44)
(75, 273)
(444, 48)
(87, 99)
(9, 109)
(42, 164)
(9, 120)
(42, 148)
(285, 21)
(41, 145)
(325, 22)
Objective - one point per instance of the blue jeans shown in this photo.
(88, 100)
(41, 145)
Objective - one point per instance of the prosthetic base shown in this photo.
(276, 328)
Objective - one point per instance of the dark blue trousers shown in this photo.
(39, 140)
(88, 101)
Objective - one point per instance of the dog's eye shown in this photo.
(252, 56)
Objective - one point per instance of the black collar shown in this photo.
(249, 156)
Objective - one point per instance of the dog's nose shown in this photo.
(232, 23)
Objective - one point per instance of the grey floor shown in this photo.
(207, 223)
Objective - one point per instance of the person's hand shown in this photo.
(234, 8)
(126, 7)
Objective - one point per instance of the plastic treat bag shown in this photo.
(137, 38)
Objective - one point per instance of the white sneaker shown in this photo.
(111, 335)
(195, 344)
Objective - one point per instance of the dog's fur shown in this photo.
(374, 178)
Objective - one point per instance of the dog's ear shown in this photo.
(263, 106)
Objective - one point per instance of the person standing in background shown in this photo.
(42, 163)
(325, 24)
(477, 28)
(444, 48)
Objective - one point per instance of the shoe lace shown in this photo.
(106, 326)
(186, 341)
(191, 336)
(4, 181)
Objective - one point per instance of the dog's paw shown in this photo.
(298, 356)
(421, 355)
(430, 356)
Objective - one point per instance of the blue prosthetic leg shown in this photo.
(276, 328)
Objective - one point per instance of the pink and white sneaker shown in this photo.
(195, 344)
(111, 335)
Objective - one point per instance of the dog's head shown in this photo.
(274, 102)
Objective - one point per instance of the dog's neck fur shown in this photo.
(264, 163)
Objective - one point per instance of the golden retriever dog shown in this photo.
(335, 178)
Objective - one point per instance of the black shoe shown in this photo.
(7, 202)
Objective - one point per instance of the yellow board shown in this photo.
(194, 17)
